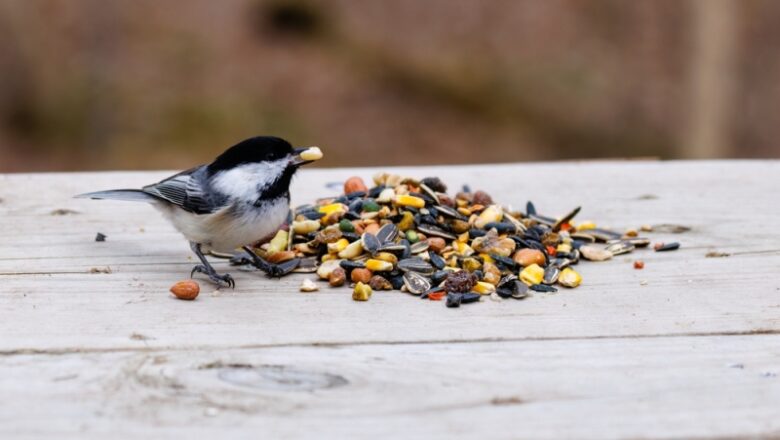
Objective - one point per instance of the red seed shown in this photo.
(436, 296)
(639, 264)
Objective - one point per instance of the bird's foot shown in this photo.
(214, 276)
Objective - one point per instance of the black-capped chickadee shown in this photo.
(241, 198)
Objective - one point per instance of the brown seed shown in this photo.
(639, 264)
(280, 257)
(436, 244)
(354, 184)
(337, 278)
(360, 275)
(188, 289)
(526, 257)
(379, 282)
(482, 198)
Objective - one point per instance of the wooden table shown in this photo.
(93, 345)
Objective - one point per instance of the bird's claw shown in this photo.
(214, 277)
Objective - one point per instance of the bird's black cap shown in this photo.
(252, 150)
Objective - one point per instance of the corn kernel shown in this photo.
(487, 258)
(407, 200)
(362, 292)
(333, 207)
(492, 213)
(484, 288)
(407, 222)
(586, 225)
(379, 265)
(337, 246)
(352, 250)
(569, 278)
(532, 274)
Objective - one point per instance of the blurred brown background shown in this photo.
(147, 84)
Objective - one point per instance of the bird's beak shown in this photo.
(302, 156)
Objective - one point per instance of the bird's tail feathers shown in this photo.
(133, 195)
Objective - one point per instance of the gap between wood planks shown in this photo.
(67, 351)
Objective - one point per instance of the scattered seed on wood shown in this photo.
(408, 234)
(100, 237)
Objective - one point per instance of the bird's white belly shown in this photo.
(231, 227)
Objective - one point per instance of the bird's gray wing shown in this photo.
(189, 191)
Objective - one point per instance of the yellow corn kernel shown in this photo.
(333, 207)
(464, 237)
(337, 246)
(569, 278)
(362, 292)
(462, 248)
(278, 243)
(532, 274)
(407, 200)
(487, 258)
(378, 265)
(484, 288)
(492, 213)
(464, 211)
(328, 257)
(471, 264)
(352, 250)
(563, 248)
(387, 256)
(584, 226)
(407, 222)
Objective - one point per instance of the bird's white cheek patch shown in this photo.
(243, 182)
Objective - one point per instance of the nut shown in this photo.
(354, 184)
(482, 198)
(337, 277)
(188, 289)
(360, 275)
(526, 257)
(436, 244)
(379, 282)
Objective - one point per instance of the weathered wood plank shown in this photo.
(53, 302)
(609, 388)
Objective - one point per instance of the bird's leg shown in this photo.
(273, 270)
(207, 269)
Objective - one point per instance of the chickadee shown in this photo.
(241, 198)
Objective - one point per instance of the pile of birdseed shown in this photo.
(409, 235)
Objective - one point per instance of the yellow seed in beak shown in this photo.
(311, 153)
